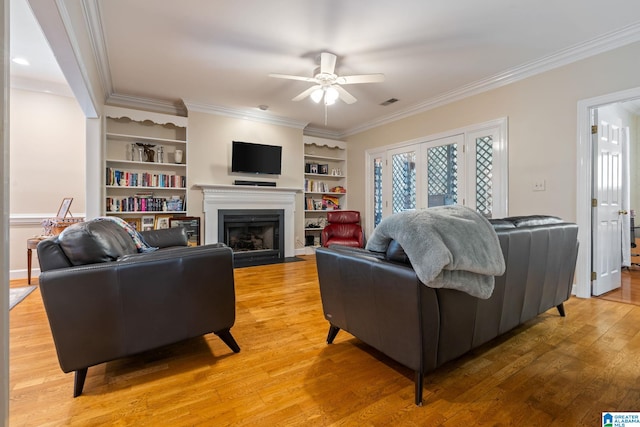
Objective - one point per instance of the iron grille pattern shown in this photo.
(377, 191)
(403, 184)
(442, 170)
(484, 175)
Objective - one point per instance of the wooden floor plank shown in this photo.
(550, 371)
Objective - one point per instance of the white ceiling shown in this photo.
(217, 54)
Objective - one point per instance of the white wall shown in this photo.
(47, 163)
(209, 156)
(542, 129)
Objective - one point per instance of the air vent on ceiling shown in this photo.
(389, 102)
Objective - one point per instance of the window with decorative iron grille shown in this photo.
(377, 190)
(484, 175)
(403, 181)
(467, 167)
(442, 171)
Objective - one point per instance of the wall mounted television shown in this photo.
(248, 157)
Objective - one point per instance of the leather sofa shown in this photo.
(343, 229)
(105, 300)
(378, 298)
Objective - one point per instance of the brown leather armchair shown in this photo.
(105, 300)
(343, 229)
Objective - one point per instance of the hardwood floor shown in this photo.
(629, 291)
(553, 371)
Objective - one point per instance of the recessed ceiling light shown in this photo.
(20, 61)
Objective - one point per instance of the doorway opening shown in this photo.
(591, 257)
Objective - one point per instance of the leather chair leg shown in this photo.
(333, 331)
(80, 376)
(227, 338)
(419, 379)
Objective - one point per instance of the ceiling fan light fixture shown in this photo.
(331, 95)
(316, 95)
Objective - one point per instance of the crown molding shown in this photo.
(322, 133)
(93, 20)
(148, 104)
(246, 114)
(622, 37)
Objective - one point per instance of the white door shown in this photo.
(607, 213)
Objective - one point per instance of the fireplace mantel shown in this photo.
(219, 196)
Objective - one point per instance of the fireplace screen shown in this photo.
(252, 234)
(251, 237)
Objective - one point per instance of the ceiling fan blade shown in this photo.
(306, 93)
(327, 63)
(289, 77)
(361, 78)
(344, 95)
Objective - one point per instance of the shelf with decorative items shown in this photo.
(145, 163)
(325, 177)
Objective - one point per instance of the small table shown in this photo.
(32, 243)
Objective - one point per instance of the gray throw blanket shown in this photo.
(448, 246)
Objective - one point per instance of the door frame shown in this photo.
(584, 159)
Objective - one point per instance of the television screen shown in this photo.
(248, 157)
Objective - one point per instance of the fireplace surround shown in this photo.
(218, 197)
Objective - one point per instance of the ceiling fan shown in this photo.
(328, 83)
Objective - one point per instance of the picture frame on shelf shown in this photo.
(323, 169)
(148, 222)
(136, 223)
(162, 221)
(63, 211)
(191, 225)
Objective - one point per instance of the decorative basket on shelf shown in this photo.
(54, 226)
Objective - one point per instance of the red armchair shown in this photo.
(343, 229)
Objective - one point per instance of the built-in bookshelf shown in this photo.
(325, 178)
(145, 163)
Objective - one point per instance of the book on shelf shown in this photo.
(144, 204)
(313, 186)
(121, 178)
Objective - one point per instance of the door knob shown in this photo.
(622, 212)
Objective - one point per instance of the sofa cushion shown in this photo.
(501, 224)
(95, 241)
(167, 237)
(531, 220)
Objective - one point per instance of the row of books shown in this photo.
(144, 179)
(312, 186)
(326, 203)
(144, 204)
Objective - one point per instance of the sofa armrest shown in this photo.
(104, 311)
(175, 236)
(51, 256)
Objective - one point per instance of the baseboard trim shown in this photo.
(21, 273)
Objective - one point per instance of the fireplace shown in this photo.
(255, 235)
(218, 197)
